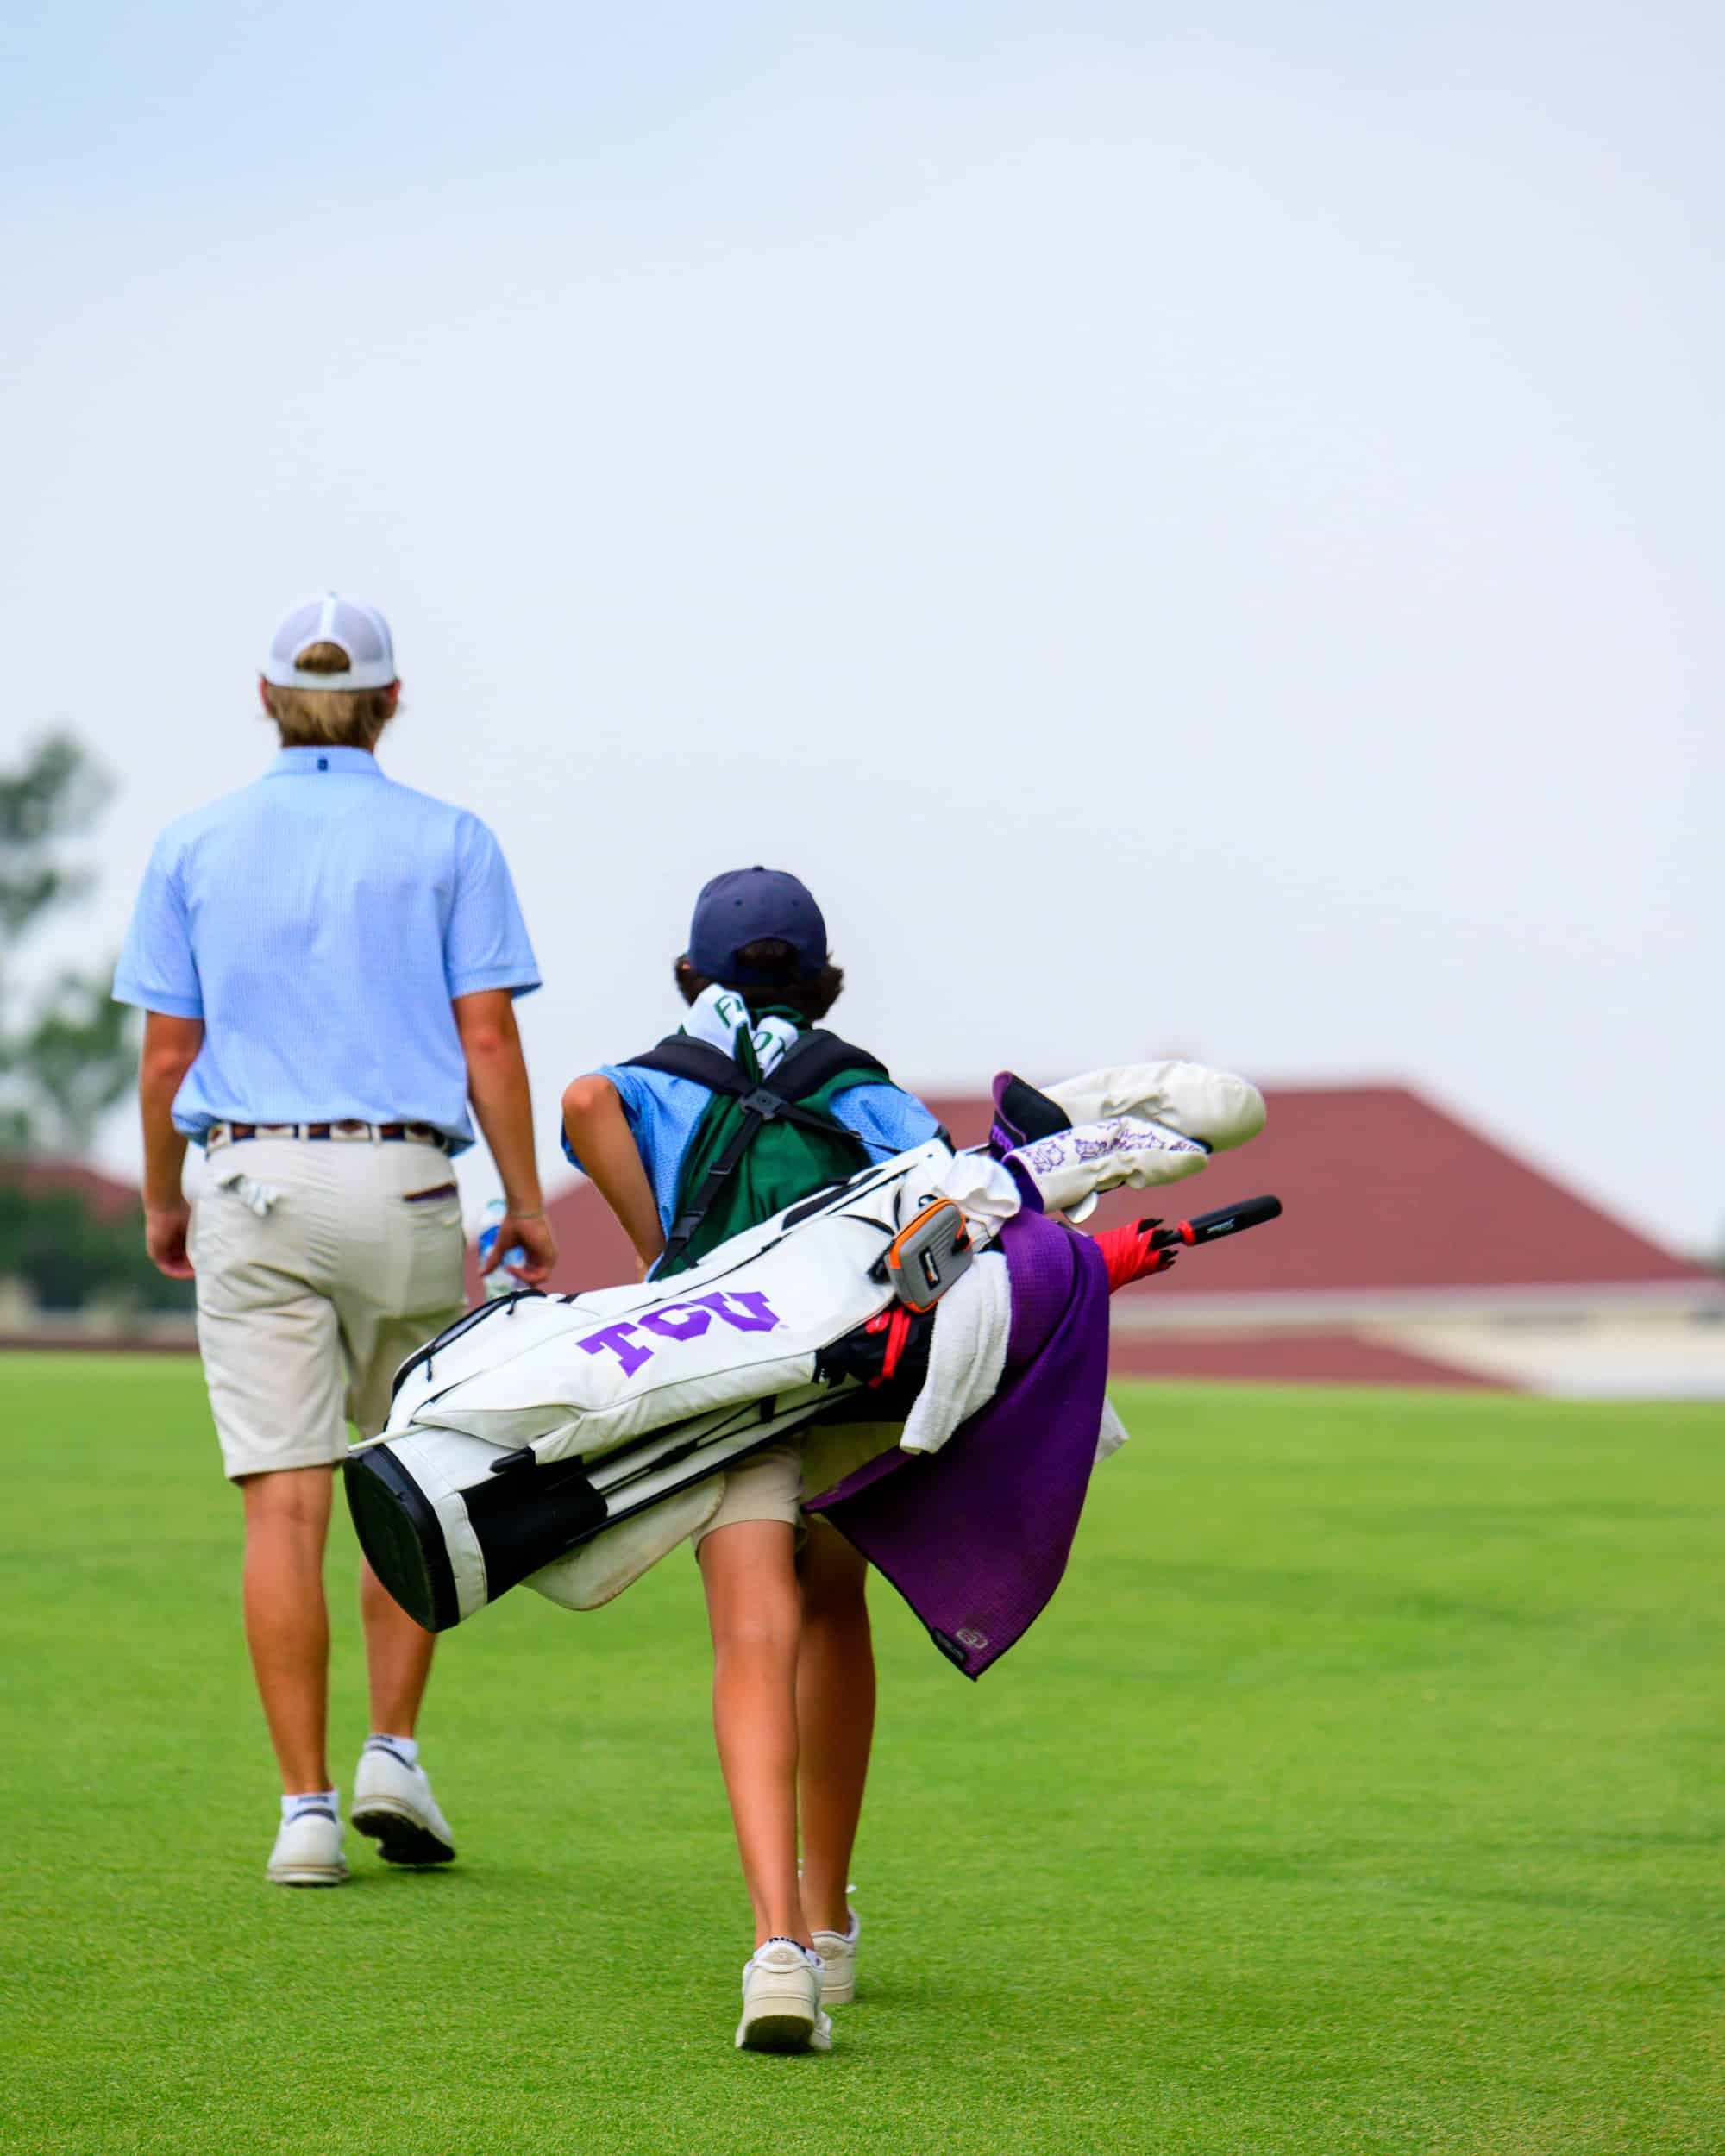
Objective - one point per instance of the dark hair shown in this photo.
(808, 996)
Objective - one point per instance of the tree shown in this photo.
(67, 1255)
(67, 1059)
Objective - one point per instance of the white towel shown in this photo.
(966, 1356)
(718, 1015)
(984, 1192)
(967, 1359)
(1113, 1433)
(256, 1197)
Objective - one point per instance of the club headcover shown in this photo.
(1021, 1114)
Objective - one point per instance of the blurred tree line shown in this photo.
(67, 1053)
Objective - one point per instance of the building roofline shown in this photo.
(1700, 1299)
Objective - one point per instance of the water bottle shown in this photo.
(498, 1283)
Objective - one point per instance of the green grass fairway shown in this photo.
(1362, 1790)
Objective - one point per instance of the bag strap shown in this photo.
(679, 1057)
(815, 1061)
(816, 1058)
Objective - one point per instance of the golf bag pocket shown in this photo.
(449, 1522)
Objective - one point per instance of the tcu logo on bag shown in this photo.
(746, 1310)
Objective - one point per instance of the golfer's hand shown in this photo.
(532, 1233)
(164, 1228)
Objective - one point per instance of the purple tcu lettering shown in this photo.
(616, 1338)
(747, 1310)
(753, 1314)
(678, 1321)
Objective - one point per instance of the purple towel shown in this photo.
(976, 1537)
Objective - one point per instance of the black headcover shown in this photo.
(1021, 1114)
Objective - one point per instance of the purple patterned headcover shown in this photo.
(976, 1536)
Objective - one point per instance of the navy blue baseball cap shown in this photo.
(748, 905)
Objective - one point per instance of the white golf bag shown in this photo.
(538, 1423)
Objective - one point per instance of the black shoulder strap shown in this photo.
(679, 1057)
(815, 1061)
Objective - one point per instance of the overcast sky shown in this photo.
(1192, 529)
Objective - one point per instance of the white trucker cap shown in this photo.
(361, 632)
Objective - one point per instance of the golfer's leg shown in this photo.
(835, 1718)
(754, 1606)
(273, 1367)
(287, 1625)
(398, 1656)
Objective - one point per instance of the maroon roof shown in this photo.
(1384, 1190)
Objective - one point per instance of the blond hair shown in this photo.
(335, 718)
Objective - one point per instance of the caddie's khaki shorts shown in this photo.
(307, 1308)
(768, 1486)
(771, 1483)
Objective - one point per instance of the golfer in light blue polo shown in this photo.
(328, 962)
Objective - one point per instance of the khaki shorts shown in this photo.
(305, 1314)
(768, 1486)
(771, 1483)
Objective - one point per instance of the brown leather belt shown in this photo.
(349, 1130)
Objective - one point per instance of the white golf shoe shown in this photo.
(394, 1805)
(837, 1952)
(308, 1851)
(781, 2008)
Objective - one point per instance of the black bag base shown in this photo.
(400, 1534)
(521, 1519)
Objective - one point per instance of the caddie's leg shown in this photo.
(754, 1606)
(398, 1656)
(835, 1718)
(287, 1625)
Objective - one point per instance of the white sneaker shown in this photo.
(837, 1952)
(394, 1804)
(781, 2001)
(308, 1851)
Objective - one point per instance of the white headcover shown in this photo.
(1070, 1167)
(1139, 1125)
(1222, 1109)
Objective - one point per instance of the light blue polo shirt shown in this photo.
(319, 922)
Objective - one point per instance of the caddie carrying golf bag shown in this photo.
(925, 1313)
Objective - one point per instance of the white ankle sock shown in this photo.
(311, 1801)
(404, 1748)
